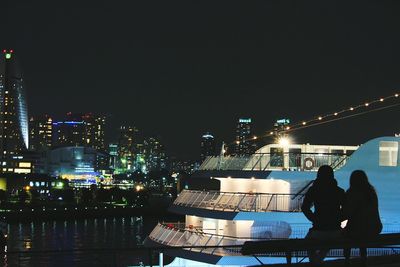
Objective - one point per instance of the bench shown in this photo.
(292, 246)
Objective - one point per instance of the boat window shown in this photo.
(295, 157)
(388, 152)
(337, 151)
(276, 157)
(349, 152)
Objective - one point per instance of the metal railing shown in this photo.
(250, 202)
(275, 161)
(175, 236)
(148, 256)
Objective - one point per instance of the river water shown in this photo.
(88, 242)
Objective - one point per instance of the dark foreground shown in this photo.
(381, 261)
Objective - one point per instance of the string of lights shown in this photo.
(352, 111)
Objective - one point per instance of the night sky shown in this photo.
(180, 68)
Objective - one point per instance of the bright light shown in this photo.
(366, 104)
(304, 123)
(284, 141)
(320, 118)
(351, 108)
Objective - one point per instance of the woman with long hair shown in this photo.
(361, 208)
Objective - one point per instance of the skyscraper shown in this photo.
(95, 131)
(154, 154)
(126, 148)
(207, 146)
(80, 130)
(14, 135)
(40, 133)
(243, 145)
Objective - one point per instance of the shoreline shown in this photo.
(80, 212)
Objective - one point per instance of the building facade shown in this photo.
(207, 146)
(40, 133)
(126, 148)
(154, 154)
(80, 130)
(14, 133)
(243, 142)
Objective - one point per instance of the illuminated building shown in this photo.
(154, 154)
(207, 146)
(80, 130)
(94, 131)
(75, 163)
(126, 148)
(40, 133)
(113, 155)
(188, 166)
(13, 113)
(243, 142)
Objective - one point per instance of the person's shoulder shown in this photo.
(340, 190)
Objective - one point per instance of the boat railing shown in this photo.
(171, 234)
(292, 161)
(236, 202)
(205, 241)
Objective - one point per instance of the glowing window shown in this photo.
(388, 153)
(24, 164)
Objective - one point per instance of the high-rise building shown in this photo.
(126, 148)
(40, 133)
(207, 146)
(154, 154)
(95, 131)
(80, 130)
(68, 133)
(244, 144)
(14, 133)
(113, 155)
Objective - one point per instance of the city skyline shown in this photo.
(206, 80)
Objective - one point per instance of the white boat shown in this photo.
(259, 197)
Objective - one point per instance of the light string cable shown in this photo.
(333, 116)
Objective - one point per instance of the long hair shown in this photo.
(359, 183)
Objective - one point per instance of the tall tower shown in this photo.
(243, 137)
(154, 153)
(126, 147)
(14, 134)
(207, 146)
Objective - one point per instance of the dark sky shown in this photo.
(179, 68)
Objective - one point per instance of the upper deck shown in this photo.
(278, 157)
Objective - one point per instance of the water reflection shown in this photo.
(104, 233)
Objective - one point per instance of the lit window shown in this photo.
(388, 152)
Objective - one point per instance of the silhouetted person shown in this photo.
(327, 199)
(361, 210)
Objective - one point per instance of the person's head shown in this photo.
(325, 172)
(359, 181)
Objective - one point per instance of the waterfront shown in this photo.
(86, 242)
